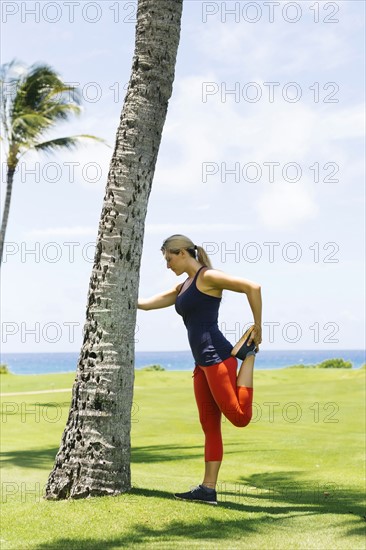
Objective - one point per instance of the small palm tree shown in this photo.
(32, 101)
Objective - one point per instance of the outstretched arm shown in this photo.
(165, 299)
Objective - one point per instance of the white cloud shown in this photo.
(173, 228)
(150, 228)
(201, 207)
(286, 205)
(61, 232)
(216, 131)
(278, 46)
(348, 315)
(229, 132)
(343, 124)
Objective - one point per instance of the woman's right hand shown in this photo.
(255, 335)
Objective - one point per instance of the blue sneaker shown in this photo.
(199, 494)
(241, 350)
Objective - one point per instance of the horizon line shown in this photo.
(189, 351)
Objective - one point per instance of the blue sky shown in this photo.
(261, 162)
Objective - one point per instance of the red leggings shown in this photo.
(216, 392)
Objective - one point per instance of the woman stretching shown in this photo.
(217, 387)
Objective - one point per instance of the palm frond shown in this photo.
(41, 90)
(66, 93)
(10, 74)
(30, 124)
(57, 111)
(38, 100)
(67, 142)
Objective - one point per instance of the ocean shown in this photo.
(42, 363)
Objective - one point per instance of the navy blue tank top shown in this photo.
(200, 314)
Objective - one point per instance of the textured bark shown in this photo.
(4, 223)
(94, 455)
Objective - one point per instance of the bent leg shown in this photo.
(245, 374)
(235, 402)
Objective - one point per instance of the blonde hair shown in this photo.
(175, 243)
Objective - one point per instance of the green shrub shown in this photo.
(4, 369)
(153, 367)
(327, 364)
(335, 364)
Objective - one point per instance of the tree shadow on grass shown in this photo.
(286, 494)
(44, 457)
(205, 530)
(282, 496)
(164, 452)
(279, 494)
(29, 458)
(290, 487)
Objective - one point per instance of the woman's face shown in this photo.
(176, 262)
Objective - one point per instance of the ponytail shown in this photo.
(174, 243)
(202, 257)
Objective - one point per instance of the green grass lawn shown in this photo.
(292, 479)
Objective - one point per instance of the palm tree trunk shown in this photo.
(94, 455)
(4, 223)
